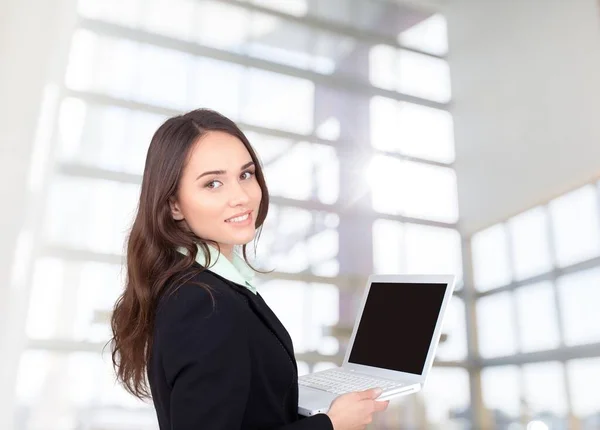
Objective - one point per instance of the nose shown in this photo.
(239, 196)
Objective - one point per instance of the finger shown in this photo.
(381, 406)
(372, 393)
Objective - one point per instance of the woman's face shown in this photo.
(218, 196)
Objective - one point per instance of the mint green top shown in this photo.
(236, 271)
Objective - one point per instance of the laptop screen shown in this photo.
(397, 325)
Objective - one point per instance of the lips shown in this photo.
(242, 216)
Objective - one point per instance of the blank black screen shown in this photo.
(397, 325)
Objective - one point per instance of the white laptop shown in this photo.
(393, 343)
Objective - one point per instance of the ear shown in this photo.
(175, 210)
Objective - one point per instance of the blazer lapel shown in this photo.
(266, 315)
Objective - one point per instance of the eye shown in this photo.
(213, 184)
(247, 174)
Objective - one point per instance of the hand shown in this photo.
(353, 411)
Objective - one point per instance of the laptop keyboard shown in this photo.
(340, 382)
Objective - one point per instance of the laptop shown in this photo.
(393, 342)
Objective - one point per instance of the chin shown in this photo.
(241, 239)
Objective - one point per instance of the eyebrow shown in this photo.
(222, 172)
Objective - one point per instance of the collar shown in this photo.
(236, 271)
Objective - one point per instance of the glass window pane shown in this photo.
(280, 295)
(209, 19)
(382, 67)
(295, 240)
(579, 295)
(280, 41)
(165, 77)
(429, 35)
(495, 329)
(529, 243)
(388, 247)
(433, 250)
(304, 309)
(501, 393)
(576, 225)
(413, 189)
(299, 170)
(544, 390)
(107, 137)
(330, 50)
(491, 265)
(46, 297)
(90, 214)
(537, 318)
(423, 76)
(129, 70)
(446, 408)
(267, 96)
(173, 18)
(584, 393)
(72, 300)
(411, 129)
(102, 64)
(454, 346)
(216, 85)
(322, 312)
(56, 387)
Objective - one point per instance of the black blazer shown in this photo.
(226, 367)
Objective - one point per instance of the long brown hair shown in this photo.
(152, 256)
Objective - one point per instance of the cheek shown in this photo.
(200, 210)
(256, 193)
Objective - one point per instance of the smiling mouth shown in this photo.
(240, 218)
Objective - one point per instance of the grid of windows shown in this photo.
(332, 95)
(538, 282)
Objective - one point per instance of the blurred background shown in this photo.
(376, 121)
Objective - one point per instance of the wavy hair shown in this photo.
(152, 258)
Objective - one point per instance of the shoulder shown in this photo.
(196, 295)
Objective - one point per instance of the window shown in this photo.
(501, 392)
(316, 306)
(433, 250)
(416, 248)
(544, 388)
(454, 347)
(576, 225)
(413, 130)
(217, 85)
(268, 98)
(429, 35)
(103, 136)
(444, 407)
(496, 333)
(209, 26)
(55, 387)
(530, 247)
(311, 241)
(73, 300)
(579, 295)
(584, 394)
(413, 189)
(90, 214)
(298, 170)
(491, 265)
(410, 73)
(537, 318)
(388, 247)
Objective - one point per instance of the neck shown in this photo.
(227, 252)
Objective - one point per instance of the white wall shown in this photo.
(526, 91)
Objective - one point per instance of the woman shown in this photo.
(190, 324)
